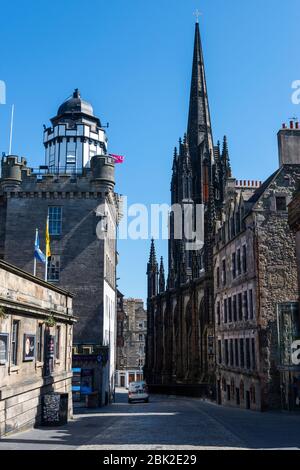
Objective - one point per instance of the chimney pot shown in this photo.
(292, 124)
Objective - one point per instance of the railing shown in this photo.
(47, 171)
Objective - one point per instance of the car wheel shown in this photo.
(147, 400)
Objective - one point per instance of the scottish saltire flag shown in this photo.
(38, 254)
(117, 158)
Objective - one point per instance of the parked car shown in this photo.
(138, 391)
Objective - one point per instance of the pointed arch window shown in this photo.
(238, 222)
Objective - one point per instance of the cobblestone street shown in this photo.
(165, 423)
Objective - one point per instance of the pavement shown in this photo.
(166, 423)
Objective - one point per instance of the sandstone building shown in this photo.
(75, 189)
(131, 341)
(294, 223)
(36, 329)
(255, 285)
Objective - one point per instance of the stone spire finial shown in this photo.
(162, 283)
(226, 159)
(152, 272)
(152, 258)
(199, 122)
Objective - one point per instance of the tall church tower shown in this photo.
(199, 130)
(180, 340)
(194, 173)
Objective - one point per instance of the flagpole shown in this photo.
(11, 128)
(46, 251)
(34, 259)
(46, 269)
(34, 266)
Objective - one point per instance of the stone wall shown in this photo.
(277, 275)
(177, 352)
(40, 310)
(134, 336)
(82, 253)
(271, 275)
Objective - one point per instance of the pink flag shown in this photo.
(117, 158)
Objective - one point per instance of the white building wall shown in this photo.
(109, 329)
(85, 150)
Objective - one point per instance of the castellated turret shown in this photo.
(11, 172)
(103, 170)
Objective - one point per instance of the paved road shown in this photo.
(165, 423)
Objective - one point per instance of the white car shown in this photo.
(138, 391)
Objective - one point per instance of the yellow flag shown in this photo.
(48, 248)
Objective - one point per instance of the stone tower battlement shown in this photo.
(16, 176)
(103, 170)
(12, 170)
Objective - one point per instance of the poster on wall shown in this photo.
(3, 348)
(49, 359)
(29, 347)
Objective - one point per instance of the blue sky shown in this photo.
(132, 60)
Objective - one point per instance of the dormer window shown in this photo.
(281, 205)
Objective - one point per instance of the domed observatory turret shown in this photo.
(75, 137)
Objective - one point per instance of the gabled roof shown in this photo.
(260, 191)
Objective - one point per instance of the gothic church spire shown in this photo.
(199, 122)
(152, 272)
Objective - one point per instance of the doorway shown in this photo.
(219, 393)
(248, 403)
(228, 393)
(238, 399)
(131, 378)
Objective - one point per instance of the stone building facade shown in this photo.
(294, 223)
(33, 316)
(256, 294)
(131, 341)
(77, 193)
(223, 321)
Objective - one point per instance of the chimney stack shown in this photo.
(289, 144)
